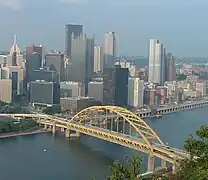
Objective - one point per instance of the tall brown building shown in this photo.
(34, 49)
(170, 68)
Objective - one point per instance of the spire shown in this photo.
(15, 43)
(15, 39)
(15, 47)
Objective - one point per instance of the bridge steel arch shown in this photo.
(138, 124)
(147, 141)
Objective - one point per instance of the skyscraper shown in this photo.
(33, 62)
(70, 29)
(98, 59)
(14, 58)
(78, 58)
(135, 92)
(115, 86)
(109, 86)
(16, 71)
(89, 62)
(82, 59)
(170, 67)
(109, 49)
(55, 62)
(121, 86)
(156, 62)
(34, 49)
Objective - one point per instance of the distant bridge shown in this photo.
(113, 124)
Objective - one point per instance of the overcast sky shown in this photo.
(180, 24)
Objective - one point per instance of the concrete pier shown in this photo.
(151, 163)
(67, 133)
(163, 163)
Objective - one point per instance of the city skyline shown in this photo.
(177, 31)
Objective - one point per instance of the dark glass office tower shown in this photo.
(109, 86)
(121, 86)
(70, 29)
(14, 85)
(33, 62)
(45, 92)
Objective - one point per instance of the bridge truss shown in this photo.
(119, 120)
(113, 124)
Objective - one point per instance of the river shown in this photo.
(24, 158)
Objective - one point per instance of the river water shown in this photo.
(24, 158)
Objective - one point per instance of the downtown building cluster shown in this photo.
(87, 74)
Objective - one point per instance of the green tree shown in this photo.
(52, 110)
(181, 77)
(196, 167)
(129, 171)
(193, 168)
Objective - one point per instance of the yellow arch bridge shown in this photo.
(113, 124)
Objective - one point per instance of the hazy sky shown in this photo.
(180, 24)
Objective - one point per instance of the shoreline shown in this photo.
(172, 109)
(22, 133)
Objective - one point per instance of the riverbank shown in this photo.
(23, 133)
(167, 109)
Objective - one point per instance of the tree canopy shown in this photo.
(130, 170)
(196, 168)
(193, 168)
(181, 77)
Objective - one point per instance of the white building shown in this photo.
(98, 59)
(135, 92)
(109, 49)
(15, 65)
(3, 59)
(19, 58)
(4, 73)
(6, 90)
(156, 62)
(95, 89)
(201, 87)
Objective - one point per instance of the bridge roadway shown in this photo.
(154, 149)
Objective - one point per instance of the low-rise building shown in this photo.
(72, 89)
(95, 89)
(42, 92)
(6, 90)
(77, 103)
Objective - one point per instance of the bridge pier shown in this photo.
(62, 129)
(163, 163)
(54, 129)
(67, 133)
(76, 134)
(45, 126)
(151, 163)
(174, 167)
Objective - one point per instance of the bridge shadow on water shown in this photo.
(100, 149)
